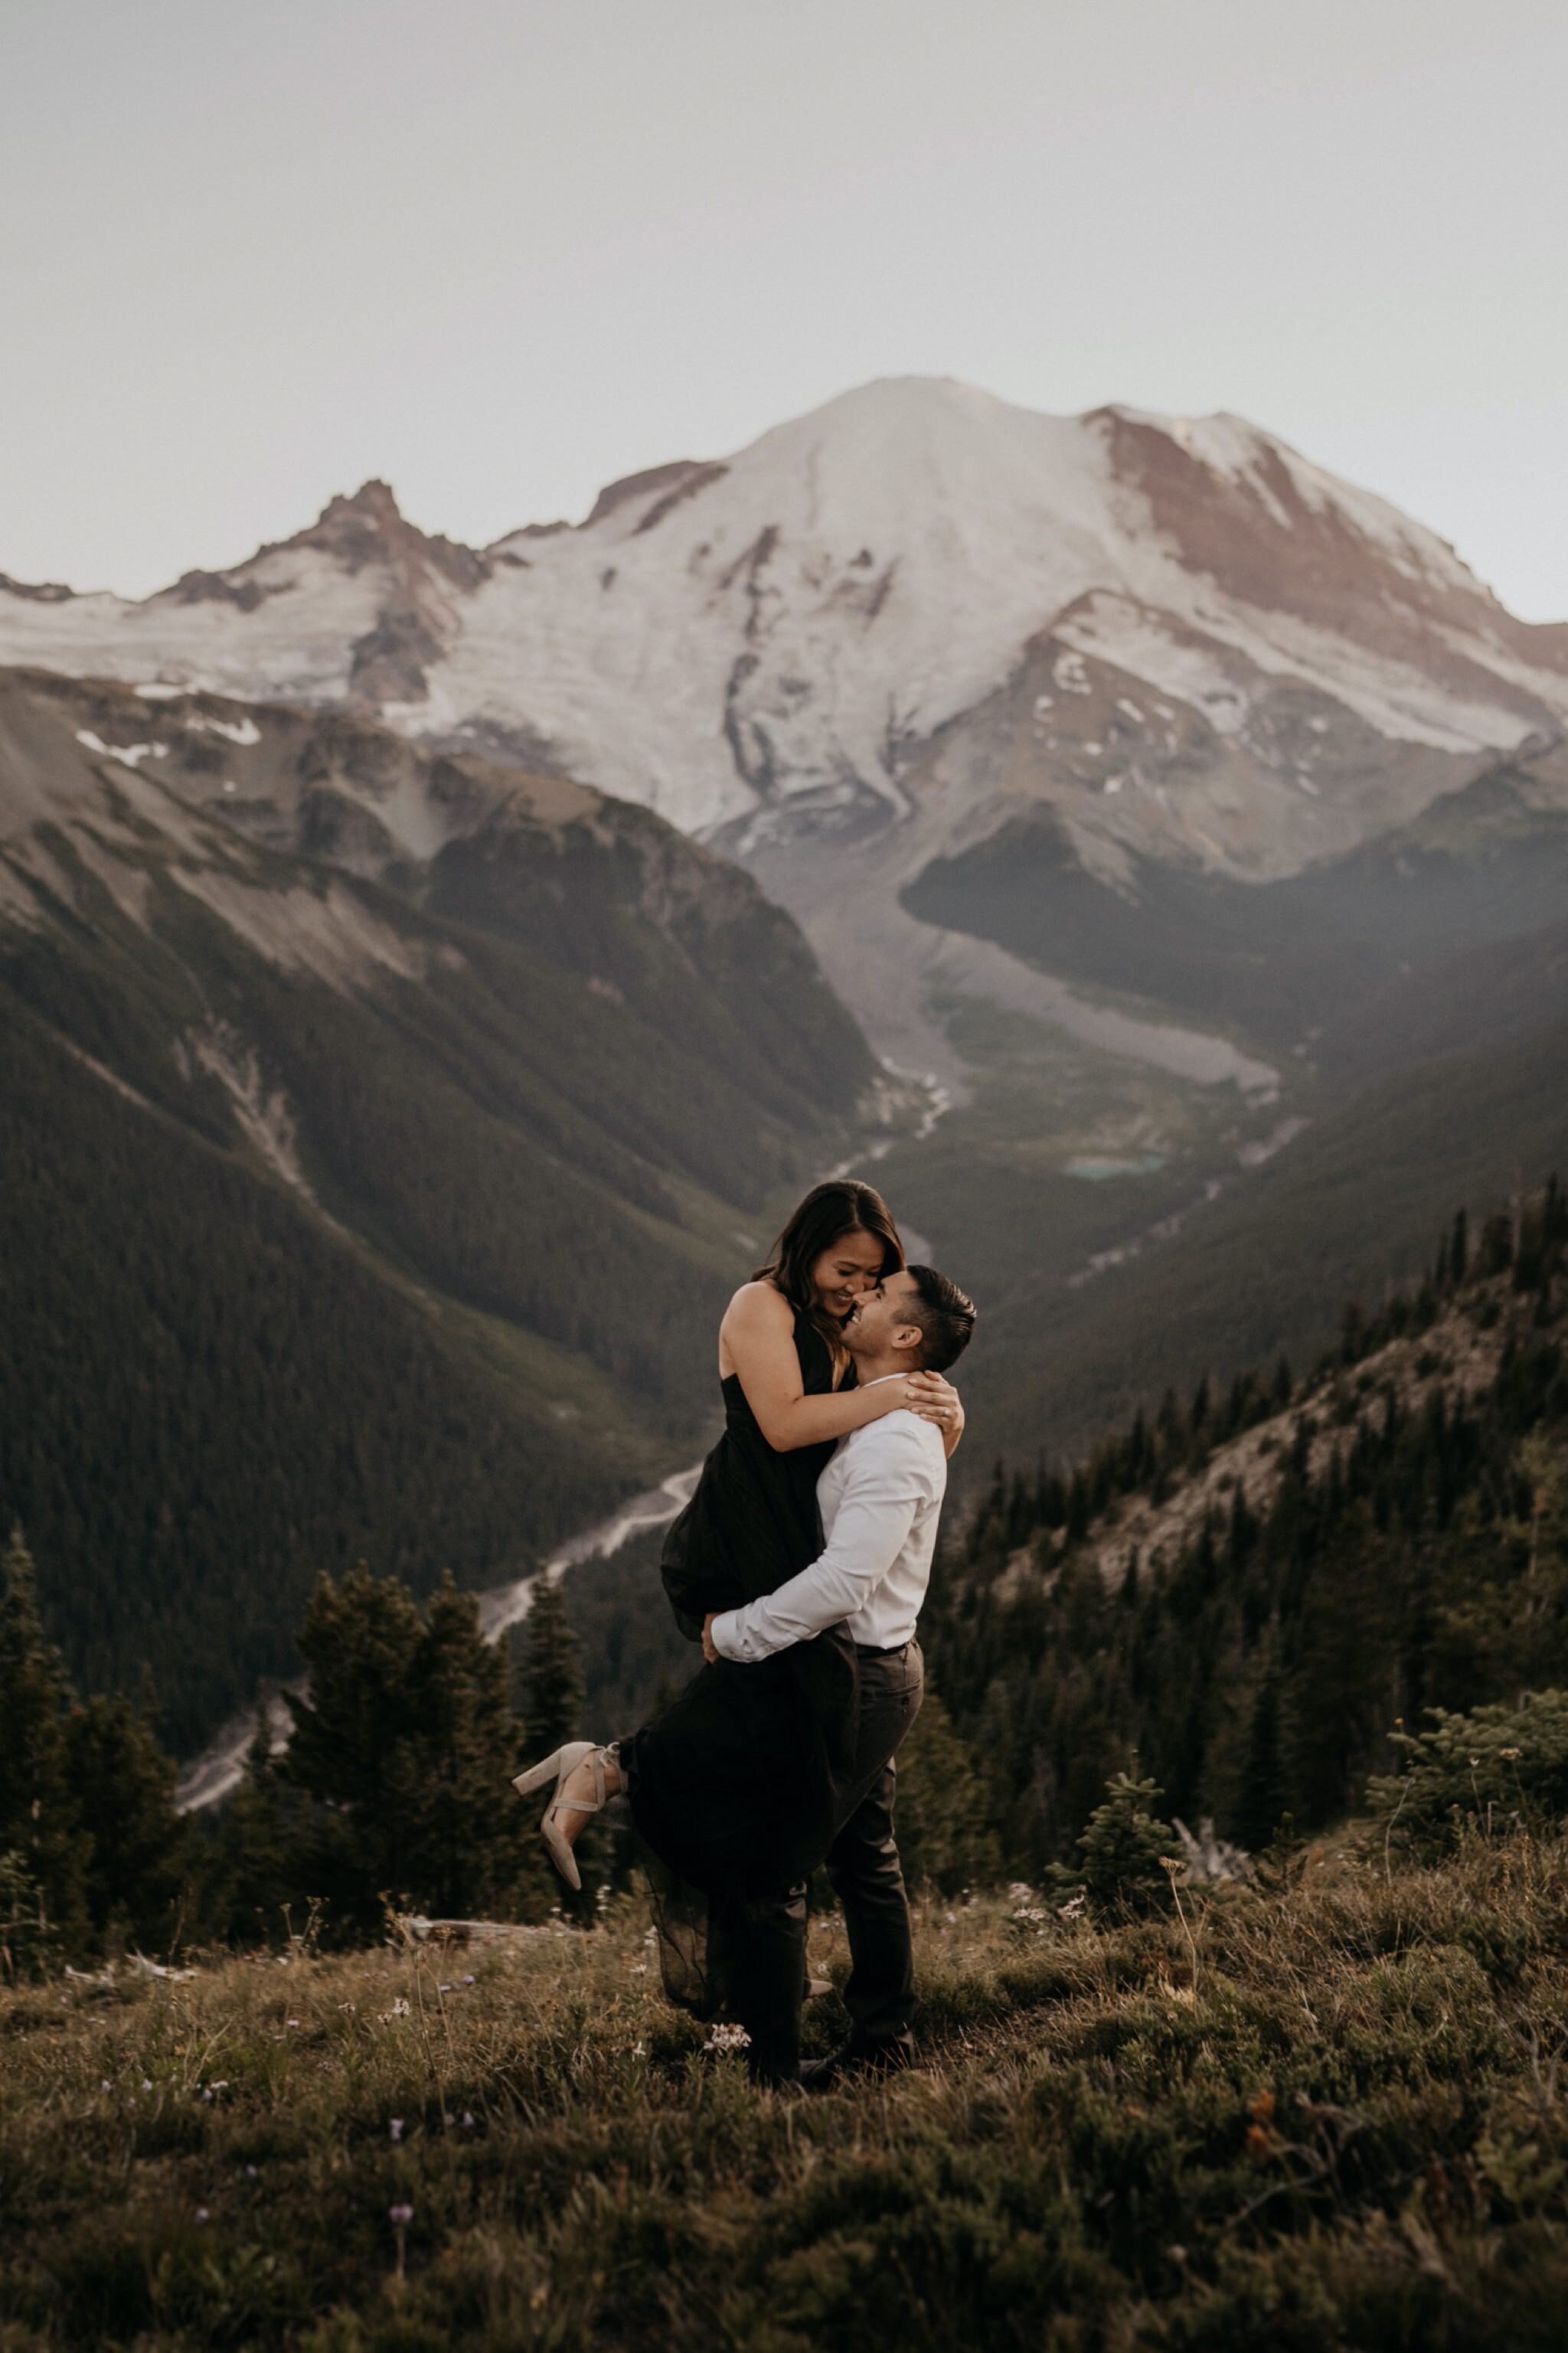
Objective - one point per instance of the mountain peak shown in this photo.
(375, 502)
(370, 527)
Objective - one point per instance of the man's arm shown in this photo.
(890, 1476)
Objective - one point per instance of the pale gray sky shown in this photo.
(500, 251)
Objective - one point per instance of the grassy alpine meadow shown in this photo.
(1327, 2111)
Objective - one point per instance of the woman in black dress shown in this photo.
(735, 1787)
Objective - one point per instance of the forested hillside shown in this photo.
(1247, 1592)
(379, 1138)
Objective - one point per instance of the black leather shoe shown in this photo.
(852, 2060)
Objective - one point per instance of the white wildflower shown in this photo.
(727, 2038)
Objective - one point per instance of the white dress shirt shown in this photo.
(880, 1496)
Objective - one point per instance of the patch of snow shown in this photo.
(242, 732)
(157, 690)
(127, 754)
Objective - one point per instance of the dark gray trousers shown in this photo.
(759, 1950)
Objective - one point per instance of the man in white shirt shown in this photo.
(880, 1496)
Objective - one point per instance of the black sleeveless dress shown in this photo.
(736, 1788)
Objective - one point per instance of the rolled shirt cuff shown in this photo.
(725, 1635)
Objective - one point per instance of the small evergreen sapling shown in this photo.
(1121, 1851)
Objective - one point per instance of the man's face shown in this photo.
(881, 1320)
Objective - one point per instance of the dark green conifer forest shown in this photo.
(1248, 1605)
(1246, 1593)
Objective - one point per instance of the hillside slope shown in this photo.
(396, 1118)
(1244, 1591)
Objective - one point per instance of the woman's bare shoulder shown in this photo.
(761, 1305)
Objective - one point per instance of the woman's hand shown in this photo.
(935, 1400)
(709, 1653)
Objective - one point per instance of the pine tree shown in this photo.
(1261, 1801)
(39, 1821)
(944, 1831)
(1460, 1248)
(464, 1851)
(360, 1639)
(407, 1745)
(123, 1783)
(1119, 1855)
(549, 1678)
(261, 1866)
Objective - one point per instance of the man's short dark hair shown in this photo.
(945, 1315)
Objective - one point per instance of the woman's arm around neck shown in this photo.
(756, 1342)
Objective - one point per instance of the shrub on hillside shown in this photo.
(1120, 1851)
(1497, 1769)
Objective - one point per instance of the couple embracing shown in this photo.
(800, 1563)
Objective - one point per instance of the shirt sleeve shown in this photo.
(891, 1475)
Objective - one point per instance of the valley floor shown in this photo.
(1331, 2113)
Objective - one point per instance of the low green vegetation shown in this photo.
(1170, 2096)
(1325, 2110)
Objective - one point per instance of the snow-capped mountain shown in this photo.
(801, 618)
(891, 625)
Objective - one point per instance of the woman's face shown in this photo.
(854, 1264)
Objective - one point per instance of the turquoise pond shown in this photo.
(1094, 1170)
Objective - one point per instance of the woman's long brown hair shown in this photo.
(842, 1206)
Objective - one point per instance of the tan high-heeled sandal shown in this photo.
(563, 1763)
